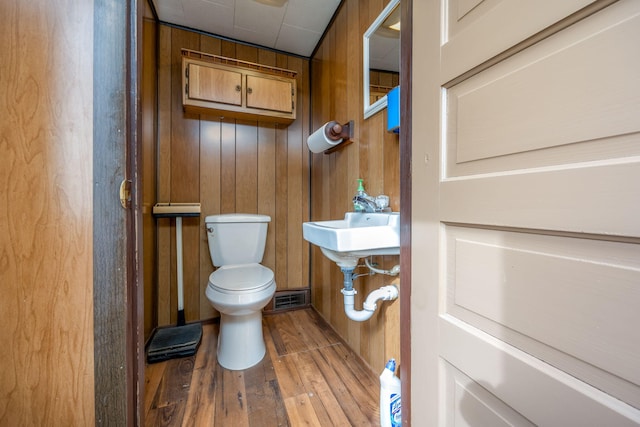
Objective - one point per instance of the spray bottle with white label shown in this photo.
(390, 404)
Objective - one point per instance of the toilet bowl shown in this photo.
(240, 287)
(239, 292)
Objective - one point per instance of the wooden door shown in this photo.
(266, 93)
(209, 83)
(526, 214)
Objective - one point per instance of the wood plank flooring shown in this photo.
(307, 378)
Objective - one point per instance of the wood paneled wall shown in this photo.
(46, 214)
(336, 71)
(149, 172)
(228, 166)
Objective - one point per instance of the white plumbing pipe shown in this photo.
(385, 293)
(395, 270)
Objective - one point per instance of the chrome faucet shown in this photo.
(367, 205)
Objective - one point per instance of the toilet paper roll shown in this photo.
(319, 141)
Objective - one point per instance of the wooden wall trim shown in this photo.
(135, 270)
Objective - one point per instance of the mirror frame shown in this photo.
(371, 109)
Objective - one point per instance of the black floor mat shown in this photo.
(174, 342)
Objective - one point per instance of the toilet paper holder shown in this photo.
(331, 136)
(336, 131)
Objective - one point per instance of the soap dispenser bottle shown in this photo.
(360, 193)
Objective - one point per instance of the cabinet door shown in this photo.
(267, 93)
(214, 84)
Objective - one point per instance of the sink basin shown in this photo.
(356, 236)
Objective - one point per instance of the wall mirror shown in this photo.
(381, 54)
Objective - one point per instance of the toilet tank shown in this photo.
(236, 238)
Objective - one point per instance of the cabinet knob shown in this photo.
(238, 88)
(249, 90)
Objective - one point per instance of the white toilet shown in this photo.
(240, 287)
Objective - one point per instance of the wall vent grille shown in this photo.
(290, 300)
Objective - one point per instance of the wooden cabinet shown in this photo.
(232, 88)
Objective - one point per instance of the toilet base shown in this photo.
(240, 342)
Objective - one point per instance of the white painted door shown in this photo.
(526, 213)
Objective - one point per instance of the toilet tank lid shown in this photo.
(237, 217)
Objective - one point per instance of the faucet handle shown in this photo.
(382, 202)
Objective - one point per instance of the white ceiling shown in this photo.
(295, 27)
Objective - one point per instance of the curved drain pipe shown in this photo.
(385, 293)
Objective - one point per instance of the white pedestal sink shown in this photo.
(356, 236)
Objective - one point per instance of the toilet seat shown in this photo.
(241, 278)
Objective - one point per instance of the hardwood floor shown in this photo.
(308, 377)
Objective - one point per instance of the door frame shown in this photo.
(406, 59)
(117, 235)
(118, 298)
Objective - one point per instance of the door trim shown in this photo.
(117, 272)
(135, 262)
(406, 41)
